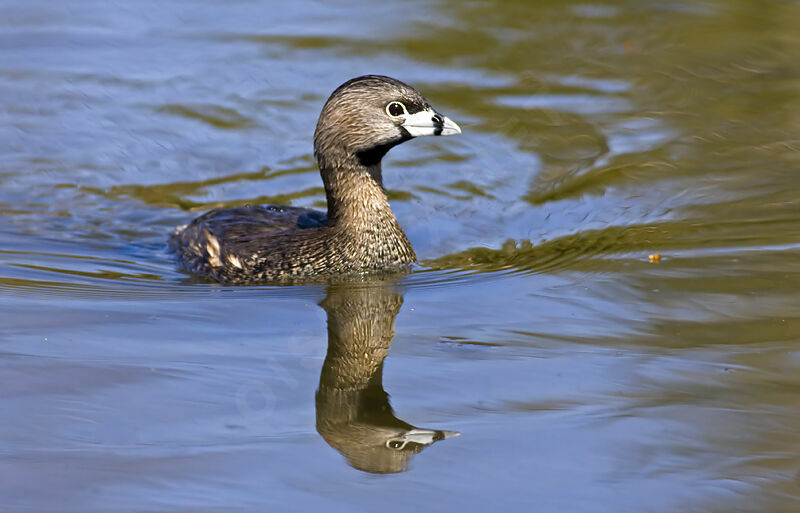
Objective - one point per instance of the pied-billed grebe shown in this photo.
(354, 415)
(362, 120)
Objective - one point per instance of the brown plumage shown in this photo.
(362, 120)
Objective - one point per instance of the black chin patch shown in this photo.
(374, 155)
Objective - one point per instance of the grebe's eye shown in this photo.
(396, 109)
(395, 444)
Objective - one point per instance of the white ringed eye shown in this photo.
(396, 109)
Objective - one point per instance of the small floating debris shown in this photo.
(654, 258)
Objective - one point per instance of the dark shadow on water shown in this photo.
(353, 411)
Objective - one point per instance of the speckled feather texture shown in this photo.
(272, 243)
(359, 234)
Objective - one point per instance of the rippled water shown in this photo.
(581, 375)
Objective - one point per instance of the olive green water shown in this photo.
(581, 376)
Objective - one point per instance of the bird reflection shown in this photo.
(353, 411)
